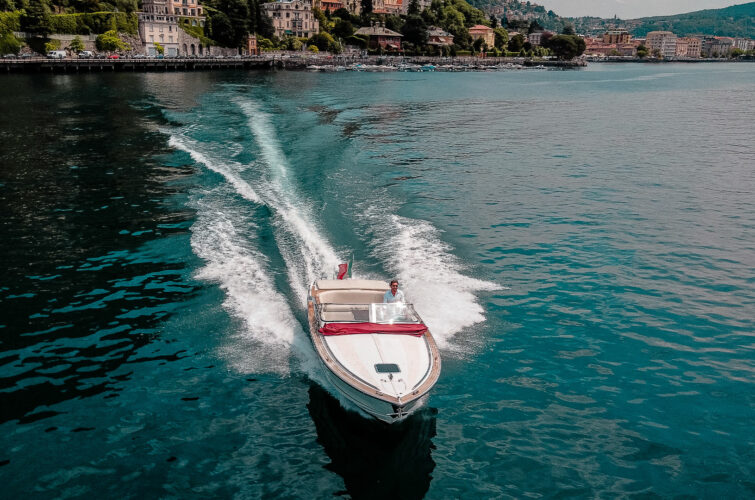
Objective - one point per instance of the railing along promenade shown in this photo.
(266, 61)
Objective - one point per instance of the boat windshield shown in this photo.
(395, 312)
(387, 314)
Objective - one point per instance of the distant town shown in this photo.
(164, 29)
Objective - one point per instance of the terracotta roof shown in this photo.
(480, 27)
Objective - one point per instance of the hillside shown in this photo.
(735, 21)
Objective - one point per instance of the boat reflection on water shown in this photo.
(374, 459)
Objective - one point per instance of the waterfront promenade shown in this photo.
(293, 61)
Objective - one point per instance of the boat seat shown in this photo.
(349, 296)
(352, 314)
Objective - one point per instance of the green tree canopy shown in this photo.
(516, 43)
(36, 18)
(566, 47)
(343, 29)
(76, 44)
(415, 30)
(110, 42)
(501, 38)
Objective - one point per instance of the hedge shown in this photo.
(95, 22)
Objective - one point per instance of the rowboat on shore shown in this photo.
(379, 356)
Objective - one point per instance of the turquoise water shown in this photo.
(580, 242)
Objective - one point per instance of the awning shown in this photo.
(414, 329)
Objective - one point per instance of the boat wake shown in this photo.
(258, 196)
(431, 275)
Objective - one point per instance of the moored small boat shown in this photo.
(381, 357)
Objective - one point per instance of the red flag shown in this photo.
(342, 270)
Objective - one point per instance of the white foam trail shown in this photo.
(191, 147)
(307, 254)
(430, 275)
(269, 326)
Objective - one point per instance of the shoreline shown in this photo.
(284, 61)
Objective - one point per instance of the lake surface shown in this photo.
(581, 243)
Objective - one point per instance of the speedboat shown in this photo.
(381, 357)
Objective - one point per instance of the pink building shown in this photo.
(485, 32)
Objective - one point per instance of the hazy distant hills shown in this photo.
(734, 21)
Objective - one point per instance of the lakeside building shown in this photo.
(389, 7)
(744, 44)
(159, 24)
(688, 47)
(329, 5)
(292, 18)
(597, 47)
(617, 37)
(717, 46)
(438, 37)
(664, 42)
(380, 36)
(485, 32)
(535, 38)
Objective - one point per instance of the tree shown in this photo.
(237, 12)
(415, 31)
(291, 43)
(76, 45)
(501, 38)
(159, 48)
(321, 18)
(9, 44)
(534, 27)
(642, 51)
(568, 30)
(493, 21)
(36, 18)
(324, 42)
(343, 29)
(110, 42)
(566, 47)
(342, 14)
(220, 29)
(516, 43)
(414, 8)
(366, 8)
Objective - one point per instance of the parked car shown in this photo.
(26, 55)
(9, 56)
(56, 54)
(86, 54)
(113, 56)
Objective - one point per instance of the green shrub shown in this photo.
(76, 45)
(10, 21)
(9, 44)
(52, 45)
(195, 31)
(109, 41)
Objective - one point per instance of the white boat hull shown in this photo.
(386, 375)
